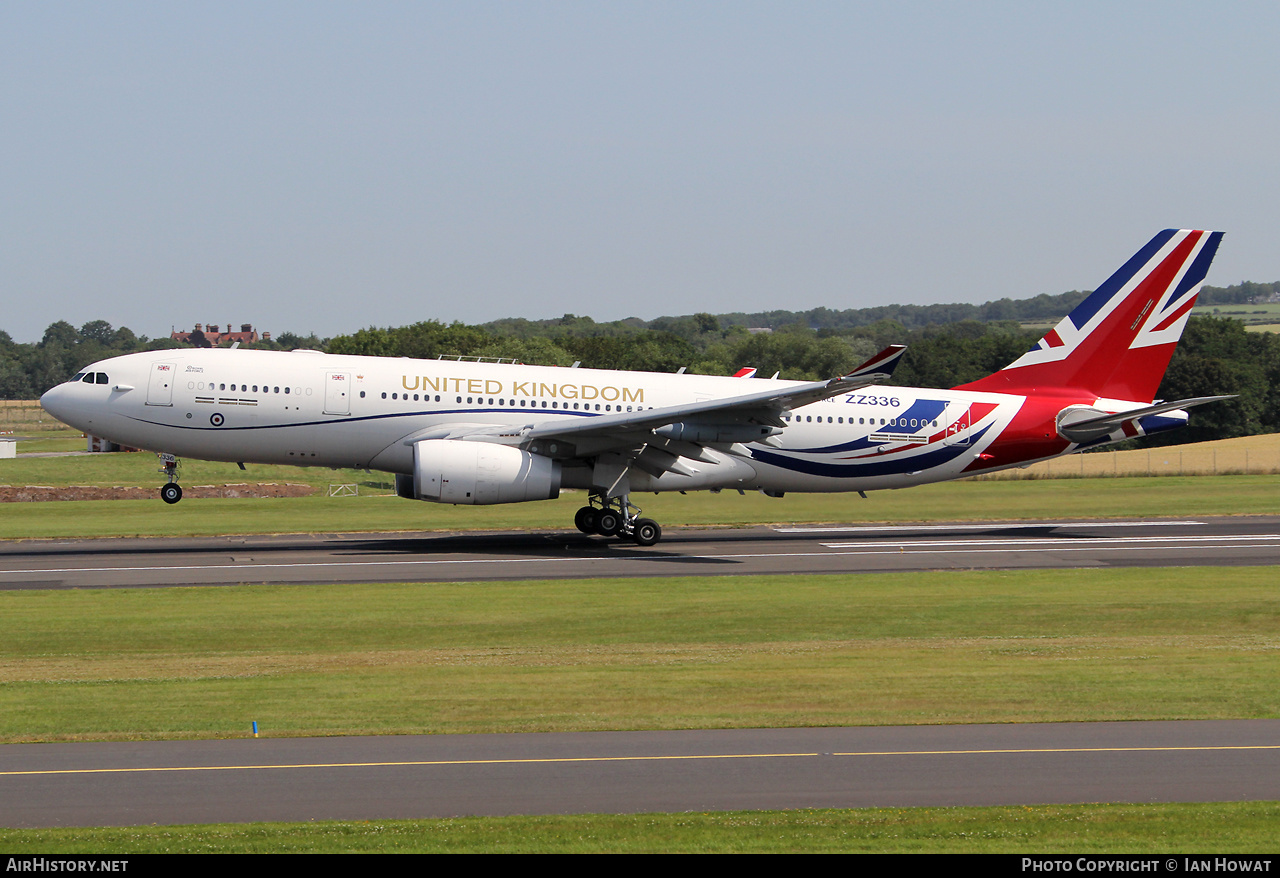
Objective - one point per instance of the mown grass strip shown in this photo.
(1227, 828)
(952, 501)
(733, 652)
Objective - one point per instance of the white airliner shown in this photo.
(482, 433)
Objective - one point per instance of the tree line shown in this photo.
(1216, 355)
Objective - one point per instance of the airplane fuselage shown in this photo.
(312, 409)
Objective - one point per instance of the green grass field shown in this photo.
(731, 652)
(1004, 496)
(1233, 828)
(956, 501)
(1251, 315)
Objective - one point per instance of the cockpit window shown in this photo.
(77, 377)
(101, 378)
(88, 377)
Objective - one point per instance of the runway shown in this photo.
(846, 549)
(635, 772)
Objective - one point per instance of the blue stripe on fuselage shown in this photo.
(921, 410)
(893, 466)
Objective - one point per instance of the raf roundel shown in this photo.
(216, 419)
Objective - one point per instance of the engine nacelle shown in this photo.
(478, 474)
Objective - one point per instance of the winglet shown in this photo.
(882, 363)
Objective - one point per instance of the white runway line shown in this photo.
(1016, 525)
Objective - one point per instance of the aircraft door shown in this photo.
(160, 384)
(337, 393)
(958, 430)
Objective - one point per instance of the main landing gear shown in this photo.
(617, 518)
(172, 492)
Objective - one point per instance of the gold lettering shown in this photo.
(546, 390)
(473, 385)
(590, 392)
(606, 391)
(436, 383)
(404, 382)
(519, 388)
(568, 391)
(457, 384)
(629, 395)
(491, 386)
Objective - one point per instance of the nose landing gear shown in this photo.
(617, 517)
(172, 492)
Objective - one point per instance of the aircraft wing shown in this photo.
(725, 420)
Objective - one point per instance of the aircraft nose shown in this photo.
(56, 401)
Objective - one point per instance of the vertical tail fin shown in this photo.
(1117, 343)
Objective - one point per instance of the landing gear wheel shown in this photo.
(608, 523)
(586, 519)
(646, 532)
(171, 493)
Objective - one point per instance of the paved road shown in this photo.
(635, 772)
(1204, 541)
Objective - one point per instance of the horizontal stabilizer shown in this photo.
(1087, 424)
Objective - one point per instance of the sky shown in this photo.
(323, 167)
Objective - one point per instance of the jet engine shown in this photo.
(478, 474)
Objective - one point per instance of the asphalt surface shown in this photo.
(1203, 541)
(635, 772)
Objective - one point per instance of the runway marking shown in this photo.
(666, 758)
(866, 547)
(862, 549)
(1019, 525)
(1126, 542)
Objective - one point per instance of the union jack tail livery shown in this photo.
(1117, 343)
(479, 433)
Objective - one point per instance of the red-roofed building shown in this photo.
(214, 335)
